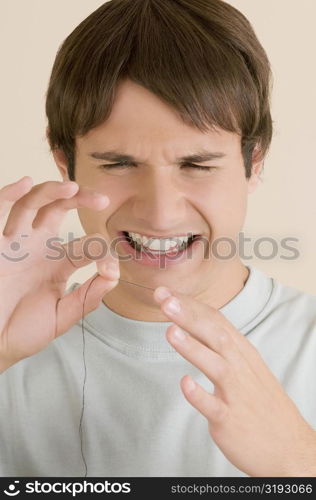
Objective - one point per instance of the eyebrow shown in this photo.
(116, 156)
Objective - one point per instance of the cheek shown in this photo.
(86, 176)
(94, 221)
(103, 221)
(97, 221)
(225, 207)
(90, 220)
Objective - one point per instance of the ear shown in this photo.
(257, 166)
(60, 160)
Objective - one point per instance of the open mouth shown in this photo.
(175, 249)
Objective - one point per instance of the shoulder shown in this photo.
(297, 302)
(274, 306)
(293, 311)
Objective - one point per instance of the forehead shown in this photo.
(140, 123)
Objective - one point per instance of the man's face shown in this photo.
(158, 194)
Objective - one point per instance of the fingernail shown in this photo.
(178, 334)
(191, 385)
(97, 194)
(173, 306)
(162, 293)
(69, 183)
(22, 179)
(112, 269)
(113, 266)
(101, 197)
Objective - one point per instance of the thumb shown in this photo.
(88, 296)
(82, 251)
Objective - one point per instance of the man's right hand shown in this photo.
(34, 310)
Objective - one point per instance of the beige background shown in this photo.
(284, 205)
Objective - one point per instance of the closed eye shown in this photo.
(126, 164)
(199, 167)
(117, 165)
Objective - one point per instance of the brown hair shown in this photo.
(202, 57)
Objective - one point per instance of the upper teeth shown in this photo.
(159, 244)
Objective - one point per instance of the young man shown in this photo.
(161, 107)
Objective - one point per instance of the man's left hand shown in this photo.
(250, 417)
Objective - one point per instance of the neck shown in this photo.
(216, 287)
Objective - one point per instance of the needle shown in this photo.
(137, 284)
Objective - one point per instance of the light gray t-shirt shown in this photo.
(136, 420)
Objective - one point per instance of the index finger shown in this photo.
(24, 210)
(210, 326)
(12, 192)
(51, 215)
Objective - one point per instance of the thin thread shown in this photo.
(85, 365)
(137, 284)
(84, 379)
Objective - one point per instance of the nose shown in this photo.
(159, 204)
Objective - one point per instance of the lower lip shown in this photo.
(159, 260)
